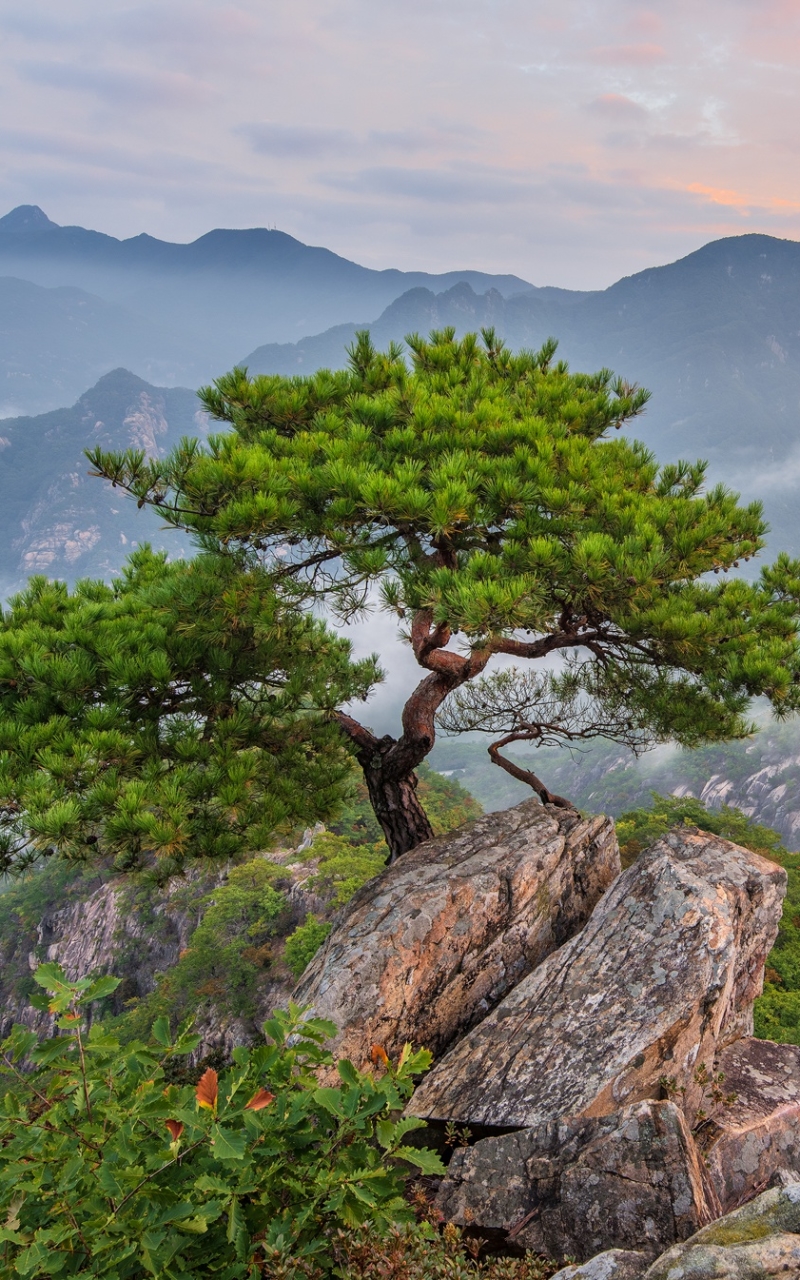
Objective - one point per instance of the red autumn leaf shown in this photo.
(378, 1054)
(260, 1100)
(175, 1127)
(207, 1089)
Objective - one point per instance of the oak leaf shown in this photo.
(260, 1100)
(207, 1090)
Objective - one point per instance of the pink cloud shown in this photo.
(639, 55)
(646, 23)
(616, 106)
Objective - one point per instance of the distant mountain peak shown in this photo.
(25, 218)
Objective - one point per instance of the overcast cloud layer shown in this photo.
(570, 143)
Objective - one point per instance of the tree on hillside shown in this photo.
(485, 494)
(179, 713)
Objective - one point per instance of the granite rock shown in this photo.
(759, 1241)
(663, 976)
(756, 1138)
(426, 949)
(632, 1180)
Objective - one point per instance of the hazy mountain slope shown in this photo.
(715, 337)
(55, 518)
(56, 342)
(760, 775)
(220, 294)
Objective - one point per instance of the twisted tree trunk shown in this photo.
(389, 764)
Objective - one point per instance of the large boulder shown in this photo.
(633, 1180)
(757, 1242)
(662, 976)
(756, 1135)
(426, 950)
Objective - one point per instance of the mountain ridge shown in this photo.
(58, 520)
(210, 299)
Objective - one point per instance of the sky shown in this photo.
(570, 143)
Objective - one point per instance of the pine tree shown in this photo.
(487, 496)
(179, 713)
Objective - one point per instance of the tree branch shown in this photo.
(363, 739)
(526, 775)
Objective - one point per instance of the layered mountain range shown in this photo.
(715, 336)
(76, 303)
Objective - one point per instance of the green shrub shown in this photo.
(304, 943)
(343, 866)
(639, 828)
(777, 1014)
(106, 1169)
(229, 949)
(411, 1253)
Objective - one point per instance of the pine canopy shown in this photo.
(489, 496)
(178, 713)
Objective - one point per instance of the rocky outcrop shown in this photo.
(426, 950)
(757, 1242)
(117, 928)
(757, 1134)
(632, 1180)
(659, 980)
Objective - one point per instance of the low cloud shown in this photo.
(121, 86)
(293, 142)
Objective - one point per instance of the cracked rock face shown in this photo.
(425, 951)
(633, 1180)
(759, 1135)
(661, 978)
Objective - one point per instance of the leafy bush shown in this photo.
(411, 1253)
(106, 1169)
(229, 949)
(639, 828)
(304, 943)
(343, 866)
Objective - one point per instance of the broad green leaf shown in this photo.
(52, 977)
(422, 1158)
(103, 987)
(228, 1145)
(161, 1031)
(348, 1072)
(331, 1100)
(209, 1182)
(197, 1226)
